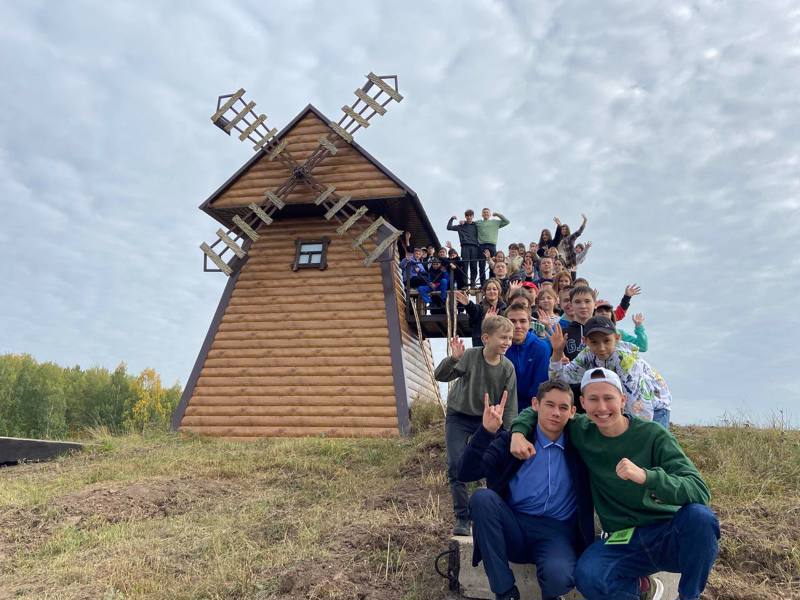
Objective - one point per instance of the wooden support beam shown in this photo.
(272, 197)
(324, 195)
(230, 102)
(237, 250)
(280, 147)
(342, 133)
(355, 116)
(337, 207)
(252, 127)
(328, 145)
(267, 137)
(368, 232)
(239, 116)
(382, 247)
(370, 101)
(216, 259)
(246, 229)
(385, 87)
(16, 449)
(259, 212)
(351, 221)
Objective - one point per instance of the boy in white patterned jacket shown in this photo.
(647, 394)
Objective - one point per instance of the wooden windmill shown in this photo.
(308, 338)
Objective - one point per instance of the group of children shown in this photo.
(541, 341)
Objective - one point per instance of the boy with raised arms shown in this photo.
(648, 494)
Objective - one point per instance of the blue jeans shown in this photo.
(686, 544)
(425, 291)
(503, 535)
(661, 416)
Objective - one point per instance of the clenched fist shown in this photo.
(628, 470)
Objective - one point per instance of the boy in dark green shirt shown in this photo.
(476, 372)
(647, 493)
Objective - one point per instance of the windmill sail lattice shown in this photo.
(234, 113)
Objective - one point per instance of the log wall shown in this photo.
(300, 353)
(350, 171)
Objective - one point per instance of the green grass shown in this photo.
(164, 516)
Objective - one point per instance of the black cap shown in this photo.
(595, 324)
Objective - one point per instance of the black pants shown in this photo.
(458, 428)
(469, 258)
(482, 259)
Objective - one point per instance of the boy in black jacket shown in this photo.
(534, 511)
(468, 237)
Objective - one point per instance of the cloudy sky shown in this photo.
(673, 125)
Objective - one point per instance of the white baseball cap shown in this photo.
(601, 375)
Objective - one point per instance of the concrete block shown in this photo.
(474, 585)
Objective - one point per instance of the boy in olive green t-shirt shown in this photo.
(647, 493)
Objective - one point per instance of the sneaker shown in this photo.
(651, 588)
(512, 594)
(462, 527)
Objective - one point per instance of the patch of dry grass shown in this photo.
(162, 516)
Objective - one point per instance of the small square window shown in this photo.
(311, 253)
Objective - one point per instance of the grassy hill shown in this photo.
(160, 516)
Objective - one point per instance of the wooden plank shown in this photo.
(368, 232)
(245, 228)
(241, 362)
(297, 390)
(16, 449)
(360, 212)
(265, 140)
(299, 369)
(295, 379)
(276, 150)
(324, 195)
(287, 410)
(259, 212)
(355, 116)
(230, 102)
(301, 326)
(375, 254)
(252, 127)
(216, 259)
(261, 432)
(369, 101)
(295, 421)
(302, 334)
(341, 132)
(337, 207)
(275, 199)
(385, 87)
(316, 401)
(296, 353)
(251, 306)
(308, 315)
(328, 145)
(237, 250)
(239, 116)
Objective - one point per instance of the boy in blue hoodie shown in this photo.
(529, 354)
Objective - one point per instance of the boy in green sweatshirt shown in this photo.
(647, 493)
(488, 229)
(476, 372)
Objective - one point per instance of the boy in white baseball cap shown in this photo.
(647, 493)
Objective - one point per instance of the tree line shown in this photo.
(45, 400)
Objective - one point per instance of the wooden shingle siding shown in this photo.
(348, 170)
(299, 352)
(419, 377)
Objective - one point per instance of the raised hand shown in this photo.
(638, 319)
(448, 244)
(491, 311)
(587, 245)
(514, 285)
(521, 448)
(493, 414)
(632, 290)
(558, 341)
(454, 218)
(456, 348)
(626, 469)
(583, 216)
(462, 298)
(487, 253)
(557, 221)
